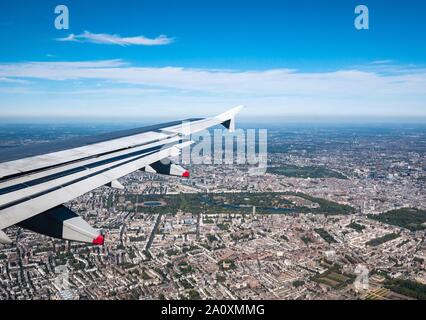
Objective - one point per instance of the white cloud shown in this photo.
(275, 82)
(109, 83)
(382, 62)
(114, 39)
(13, 80)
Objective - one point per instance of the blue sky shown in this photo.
(279, 58)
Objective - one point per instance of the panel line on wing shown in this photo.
(59, 164)
(60, 174)
(33, 196)
(31, 207)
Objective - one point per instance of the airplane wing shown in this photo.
(35, 181)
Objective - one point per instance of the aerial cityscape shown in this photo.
(340, 214)
(238, 154)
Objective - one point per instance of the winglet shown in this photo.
(228, 118)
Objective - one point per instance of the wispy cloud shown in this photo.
(382, 62)
(13, 80)
(114, 39)
(345, 82)
(398, 91)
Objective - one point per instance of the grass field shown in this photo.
(313, 172)
(230, 203)
(409, 218)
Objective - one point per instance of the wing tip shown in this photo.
(228, 117)
(232, 112)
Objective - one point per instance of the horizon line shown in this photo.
(420, 119)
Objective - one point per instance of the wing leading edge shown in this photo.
(34, 188)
